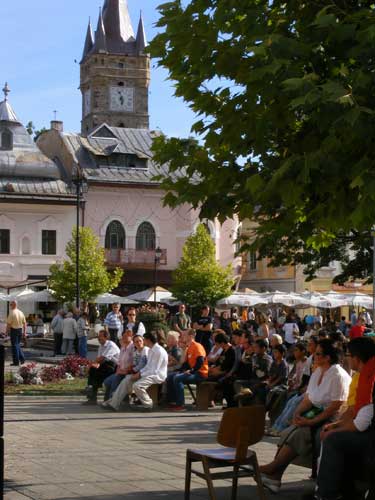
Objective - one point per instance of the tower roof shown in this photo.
(89, 42)
(141, 36)
(100, 44)
(6, 111)
(117, 23)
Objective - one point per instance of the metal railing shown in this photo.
(131, 256)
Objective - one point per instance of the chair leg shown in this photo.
(210, 485)
(258, 479)
(187, 476)
(236, 468)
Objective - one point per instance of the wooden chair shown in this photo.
(239, 429)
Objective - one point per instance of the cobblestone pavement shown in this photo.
(58, 449)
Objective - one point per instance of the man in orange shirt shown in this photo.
(195, 369)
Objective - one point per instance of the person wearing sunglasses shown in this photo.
(131, 323)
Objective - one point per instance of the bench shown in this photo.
(154, 391)
(204, 394)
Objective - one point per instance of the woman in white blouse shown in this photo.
(327, 391)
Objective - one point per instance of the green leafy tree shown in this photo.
(199, 279)
(285, 101)
(31, 130)
(94, 279)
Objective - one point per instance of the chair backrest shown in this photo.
(241, 428)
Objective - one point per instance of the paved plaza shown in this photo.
(58, 449)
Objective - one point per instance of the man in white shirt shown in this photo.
(155, 371)
(104, 366)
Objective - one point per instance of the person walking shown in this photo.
(83, 328)
(16, 328)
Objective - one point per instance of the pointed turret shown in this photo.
(89, 42)
(100, 36)
(6, 111)
(141, 36)
(117, 23)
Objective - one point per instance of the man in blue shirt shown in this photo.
(113, 323)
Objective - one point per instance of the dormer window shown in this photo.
(6, 142)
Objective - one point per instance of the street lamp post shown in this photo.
(373, 276)
(78, 181)
(158, 254)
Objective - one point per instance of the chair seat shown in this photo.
(226, 454)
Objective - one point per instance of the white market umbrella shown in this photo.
(327, 302)
(149, 295)
(286, 299)
(109, 298)
(360, 300)
(24, 295)
(43, 296)
(242, 300)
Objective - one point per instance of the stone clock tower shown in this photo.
(115, 72)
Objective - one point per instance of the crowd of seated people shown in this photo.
(301, 375)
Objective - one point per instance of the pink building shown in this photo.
(123, 203)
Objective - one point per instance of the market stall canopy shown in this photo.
(242, 300)
(360, 300)
(149, 295)
(287, 299)
(109, 298)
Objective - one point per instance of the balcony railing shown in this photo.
(131, 256)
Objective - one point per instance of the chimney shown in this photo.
(57, 125)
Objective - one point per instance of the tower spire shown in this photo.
(117, 23)
(141, 36)
(89, 42)
(100, 35)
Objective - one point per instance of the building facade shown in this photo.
(123, 201)
(37, 206)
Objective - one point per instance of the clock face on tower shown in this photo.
(122, 99)
(86, 102)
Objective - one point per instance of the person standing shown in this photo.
(57, 328)
(113, 323)
(203, 327)
(16, 328)
(70, 331)
(181, 321)
(83, 328)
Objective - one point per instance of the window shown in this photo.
(4, 241)
(6, 140)
(146, 238)
(252, 261)
(48, 242)
(115, 236)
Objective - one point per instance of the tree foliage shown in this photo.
(199, 279)
(31, 130)
(285, 100)
(94, 279)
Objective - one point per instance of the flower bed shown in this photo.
(69, 368)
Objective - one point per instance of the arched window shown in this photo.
(115, 236)
(6, 140)
(146, 237)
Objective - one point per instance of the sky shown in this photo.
(40, 40)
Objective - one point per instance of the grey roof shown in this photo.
(6, 112)
(88, 151)
(115, 34)
(141, 36)
(117, 23)
(31, 188)
(25, 172)
(100, 44)
(89, 42)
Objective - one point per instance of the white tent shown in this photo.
(149, 295)
(360, 300)
(242, 300)
(24, 295)
(109, 298)
(287, 299)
